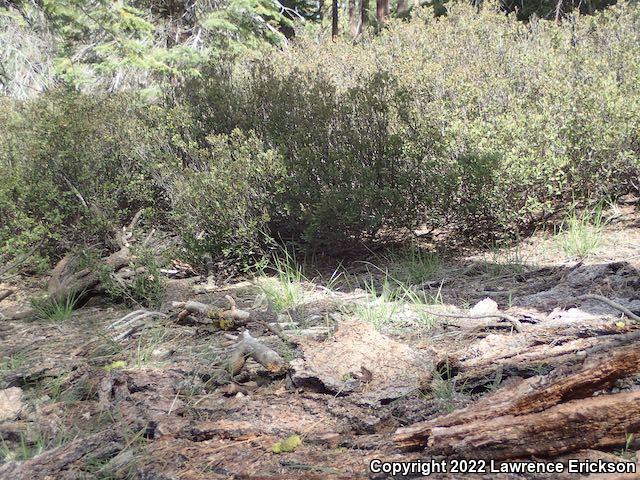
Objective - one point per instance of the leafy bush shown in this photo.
(222, 200)
(474, 121)
(73, 171)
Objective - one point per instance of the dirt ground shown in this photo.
(78, 400)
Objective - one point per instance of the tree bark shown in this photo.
(354, 18)
(403, 7)
(364, 15)
(334, 20)
(540, 416)
(381, 9)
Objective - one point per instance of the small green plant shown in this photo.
(444, 388)
(382, 305)
(393, 296)
(505, 261)
(285, 289)
(629, 439)
(11, 363)
(32, 443)
(56, 309)
(147, 343)
(145, 288)
(415, 265)
(581, 234)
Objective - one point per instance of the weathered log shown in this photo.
(596, 422)
(67, 461)
(132, 323)
(539, 354)
(541, 416)
(66, 280)
(5, 294)
(513, 322)
(250, 347)
(228, 319)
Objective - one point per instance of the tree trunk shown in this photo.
(403, 7)
(364, 14)
(381, 8)
(354, 18)
(334, 20)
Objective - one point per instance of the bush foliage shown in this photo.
(473, 121)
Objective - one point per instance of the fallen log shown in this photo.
(541, 416)
(5, 294)
(66, 280)
(223, 319)
(539, 353)
(596, 422)
(512, 321)
(250, 347)
(67, 461)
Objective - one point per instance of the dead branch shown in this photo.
(250, 347)
(132, 323)
(20, 260)
(5, 294)
(223, 319)
(515, 323)
(612, 304)
(67, 280)
(547, 415)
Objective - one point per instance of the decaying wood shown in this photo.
(132, 323)
(515, 323)
(228, 319)
(250, 347)
(536, 354)
(60, 462)
(66, 279)
(542, 416)
(5, 294)
(612, 304)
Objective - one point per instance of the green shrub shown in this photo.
(74, 171)
(222, 200)
(56, 309)
(473, 121)
(145, 286)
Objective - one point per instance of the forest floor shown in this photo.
(369, 355)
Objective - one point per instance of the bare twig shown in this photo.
(612, 304)
(20, 260)
(517, 326)
(5, 294)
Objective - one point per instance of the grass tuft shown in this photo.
(285, 289)
(56, 309)
(415, 265)
(581, 234)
